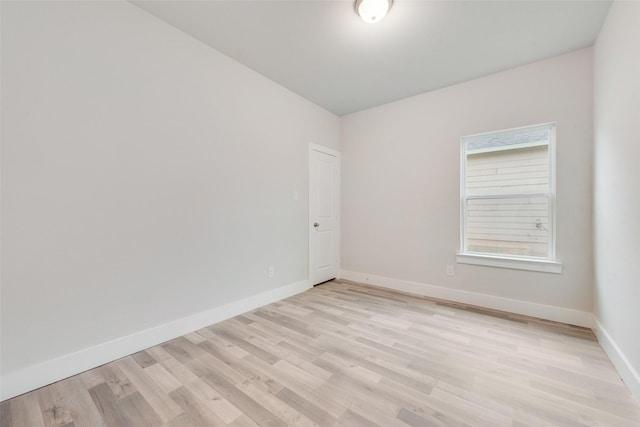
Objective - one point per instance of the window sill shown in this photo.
(546, 266)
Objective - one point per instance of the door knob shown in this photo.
(316, 225)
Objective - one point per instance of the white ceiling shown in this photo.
(322, 50)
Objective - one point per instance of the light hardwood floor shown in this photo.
(344, 354)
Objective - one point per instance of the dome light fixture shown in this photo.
(372, 11)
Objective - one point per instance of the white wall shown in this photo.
(400, 188)
(616, 189)
(145, 178)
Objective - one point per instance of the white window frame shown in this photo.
(547, 264)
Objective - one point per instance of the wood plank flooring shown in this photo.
(344, 354)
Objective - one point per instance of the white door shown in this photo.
(324, 210)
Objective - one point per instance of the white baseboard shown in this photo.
(626, 370)
(548, 312)
(50, 371)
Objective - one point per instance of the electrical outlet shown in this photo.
(271, 272)
(450, 270)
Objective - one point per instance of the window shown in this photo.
(507, 199)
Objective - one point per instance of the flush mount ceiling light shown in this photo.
(372, 11)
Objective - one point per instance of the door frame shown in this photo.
(315, 147)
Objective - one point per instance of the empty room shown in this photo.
(320, 213)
